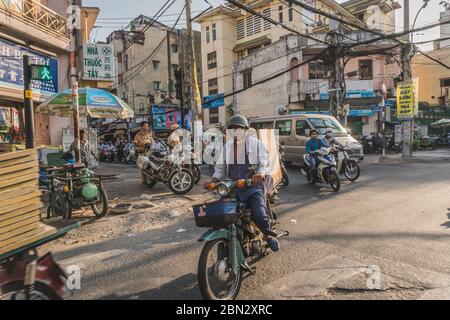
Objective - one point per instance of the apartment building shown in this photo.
(233, 41)
(376, 14)
(145, 79)
(230, 34)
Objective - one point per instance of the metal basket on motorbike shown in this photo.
(216, 214)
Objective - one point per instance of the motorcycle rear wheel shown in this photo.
(217, 271)
(103, 210)
(147, 181)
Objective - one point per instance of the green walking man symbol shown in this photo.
(45, 74)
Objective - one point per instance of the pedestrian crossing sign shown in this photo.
(40, 72)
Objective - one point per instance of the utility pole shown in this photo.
(179, 76)
(408, 125)
(28, 104)
(195, 94)
(74, 43)
(337, 80)
(169, 66)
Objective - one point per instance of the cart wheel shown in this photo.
(101, 209)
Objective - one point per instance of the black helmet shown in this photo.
(313, 130)
(238, 121)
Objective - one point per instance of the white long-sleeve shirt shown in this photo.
(257, 156)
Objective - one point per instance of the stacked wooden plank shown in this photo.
(20, 201)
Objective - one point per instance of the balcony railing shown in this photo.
(36, 14)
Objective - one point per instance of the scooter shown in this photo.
(326, 170)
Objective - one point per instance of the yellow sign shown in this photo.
(28, 94)
(405, 100)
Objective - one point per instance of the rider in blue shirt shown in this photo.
(312, 146)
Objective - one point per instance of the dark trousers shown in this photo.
(256, 203)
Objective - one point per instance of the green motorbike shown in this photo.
(232, 244)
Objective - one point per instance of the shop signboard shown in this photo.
(11, 69)
(213, 101)
(98, 62)
(405, 100)
(355, 89)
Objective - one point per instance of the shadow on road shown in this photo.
(182, 288)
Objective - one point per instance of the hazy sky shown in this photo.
(116, 14)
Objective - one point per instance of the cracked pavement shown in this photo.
(385, 236)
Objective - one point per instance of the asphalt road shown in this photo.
(385, 236)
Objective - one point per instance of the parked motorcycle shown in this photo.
(130, 154)
(326, 169)
(157, 165)
(391, 146)
(346, 166)
(232, 244)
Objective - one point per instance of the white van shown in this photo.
(294, 133)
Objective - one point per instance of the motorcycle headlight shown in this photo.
(222, 190)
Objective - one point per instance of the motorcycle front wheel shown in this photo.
(334, 181)
(352, 170)
(216, 279)
(181, 182)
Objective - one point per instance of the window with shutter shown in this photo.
(240, 30)
(267, 14)
(250, 26)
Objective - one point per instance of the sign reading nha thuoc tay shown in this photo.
(98, 62)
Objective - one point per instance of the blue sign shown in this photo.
(390, 102)
(11, 68)
(360, 113)
(376, 108)
(298, 113)
(213, 101)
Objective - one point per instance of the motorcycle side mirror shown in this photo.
(307, 132)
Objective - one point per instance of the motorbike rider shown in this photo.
(143, 138)
(330, 140)
(312, 147)
(254, 196)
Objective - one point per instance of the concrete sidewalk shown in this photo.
(440, 155)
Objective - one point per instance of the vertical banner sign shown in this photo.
(405, 100)
(98, 62)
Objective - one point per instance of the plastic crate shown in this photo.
(218, 214)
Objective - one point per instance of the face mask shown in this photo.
(329, 135)
(239, 134)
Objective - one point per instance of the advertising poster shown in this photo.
(159, 118)
(405, 100)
